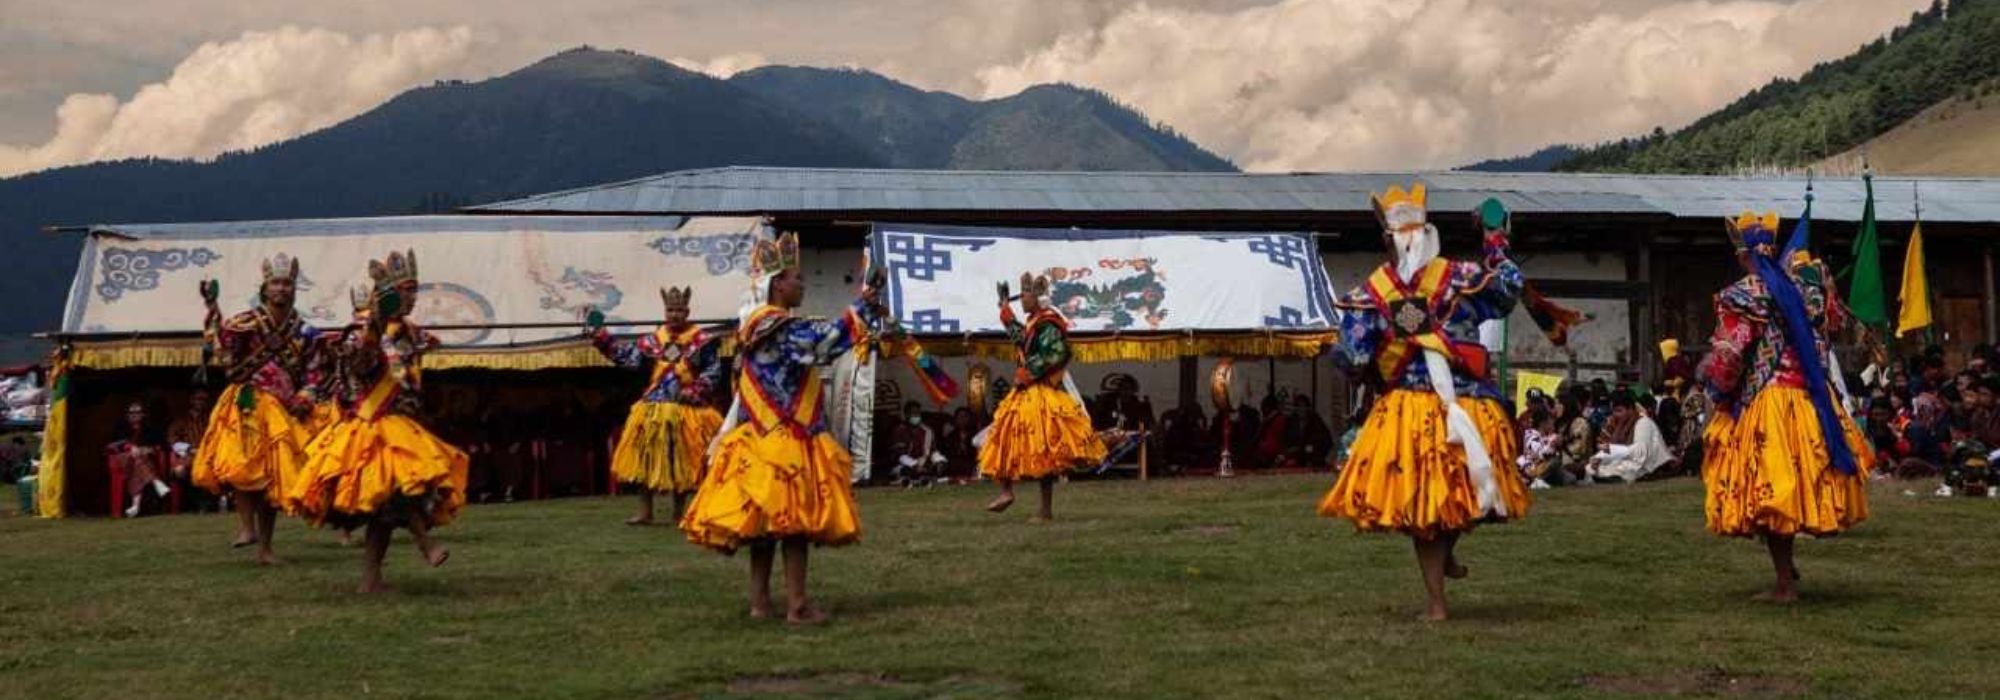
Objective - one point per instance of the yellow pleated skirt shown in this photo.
(663, 444)
(1402, 476)
(774, 485)
(1038, 431)
(1774, 475)
(358, 466)
(324, 415)
(262, 449)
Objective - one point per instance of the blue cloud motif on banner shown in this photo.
(723, 253)
(129, 270)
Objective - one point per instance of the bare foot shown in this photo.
(1434, 615)
(267, 559)
(376, 587)
(805, 616)
(1456, 570)
(243, 541)
(760, 612)
(436, 557)
(638, 520)
(1001, 504)
(1779, 597)
(1039, 519)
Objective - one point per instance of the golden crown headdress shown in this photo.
(1033, 285)
(389, 274)
(1399, 209)
(360, 298)
(769, 258)
(281, 266)
(676, 297)
(1741, 230)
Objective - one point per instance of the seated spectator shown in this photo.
(1182, 438)
(1667, 413)
(1305, 440)
(1641, 451)
(1968, 471)
(1925, 438)
(1271, 434)
(1695, 411)
(1982, 413)
(918, 459)
(1880, 427)
(1538, 448)
(1575, 440)
(141, 456)
(183, 436)
(961, 456)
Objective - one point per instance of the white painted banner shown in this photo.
(474, 270)
(941, 279)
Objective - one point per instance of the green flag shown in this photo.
(1864, 292)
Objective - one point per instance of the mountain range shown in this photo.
(581, 117)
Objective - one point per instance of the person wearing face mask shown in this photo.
(1437, 454)
(918, 460)
(1794, 462)
(1041, 430)
(666, 435)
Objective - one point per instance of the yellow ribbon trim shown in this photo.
(1155, 348)
(126, 354)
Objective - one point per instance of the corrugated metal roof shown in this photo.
(761, 190)
(388, 224)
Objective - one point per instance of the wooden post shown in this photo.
(1644, 311)
(1986, 300)
(1143, 476)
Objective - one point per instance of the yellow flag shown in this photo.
(1523, 381)
(1916, 295)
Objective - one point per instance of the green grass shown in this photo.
(1176, 588)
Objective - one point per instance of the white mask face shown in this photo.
(1415, 248)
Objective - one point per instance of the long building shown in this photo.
(1643, 254)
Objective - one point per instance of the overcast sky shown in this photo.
(1275, 85)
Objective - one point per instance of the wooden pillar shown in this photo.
(1987, 306)
(1190, 384)
(1646, 314)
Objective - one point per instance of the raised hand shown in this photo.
(211, 290)
(594, 320)
(1005, 293)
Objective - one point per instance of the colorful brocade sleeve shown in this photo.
(1047, 352)
(706, 359)
(821, 341)
(1736, 330)
(1361, 327)
(1487, 290)
(629, 354)
(1011, 322)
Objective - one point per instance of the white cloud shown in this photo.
(1272, 84)
(1358, 84)
(262, 87)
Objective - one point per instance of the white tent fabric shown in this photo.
(474, 270)
(941, 278)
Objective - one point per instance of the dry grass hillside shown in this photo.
(1959, 136)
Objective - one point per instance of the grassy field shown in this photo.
(1178, 588)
